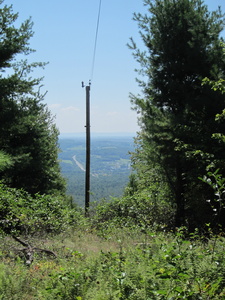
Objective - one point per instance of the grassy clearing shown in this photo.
(124, 264)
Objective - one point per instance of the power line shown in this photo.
(88, 147)
(96, 39)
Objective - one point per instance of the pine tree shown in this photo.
(27, 130)
(177, 112)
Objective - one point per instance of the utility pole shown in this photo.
(88, 150)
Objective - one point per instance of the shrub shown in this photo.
(22, 213)
(140, 210)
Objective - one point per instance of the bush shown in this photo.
(25, 214)
(140, 210)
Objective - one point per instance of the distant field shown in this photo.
(110, 166)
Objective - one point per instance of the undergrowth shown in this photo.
(120, 252)
(125, 264)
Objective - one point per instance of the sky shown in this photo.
(64, 36)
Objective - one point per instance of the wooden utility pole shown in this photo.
(88, 151)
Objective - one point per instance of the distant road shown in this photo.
(78, 163)
(81, 166)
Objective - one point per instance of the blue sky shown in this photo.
(64, 35)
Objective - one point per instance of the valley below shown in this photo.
(110, 166)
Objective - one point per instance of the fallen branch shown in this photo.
(29, 251)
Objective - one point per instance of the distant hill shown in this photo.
(97, 135)
(110, 165)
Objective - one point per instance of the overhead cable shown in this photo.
(96, 39)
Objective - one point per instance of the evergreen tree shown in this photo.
(28, 134)
(177, 111)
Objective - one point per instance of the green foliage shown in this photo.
(5, 161)
(21, 213)
(142, 209)
(177, 112)
(28, 134)
(215, 85)
(131, 265)
(217, 183)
